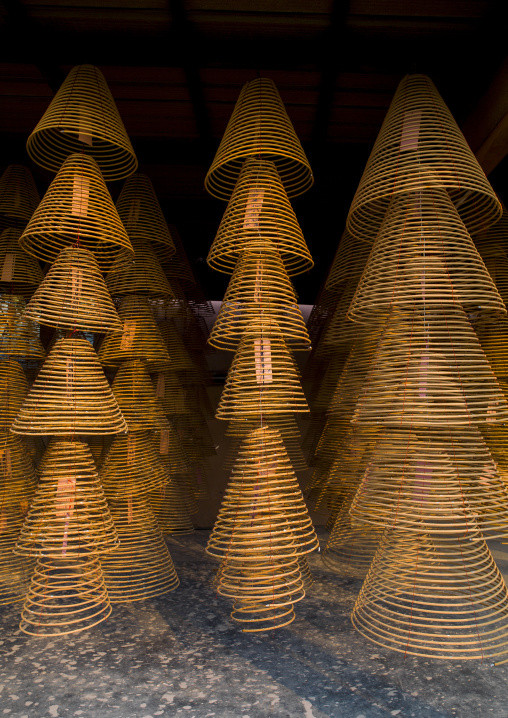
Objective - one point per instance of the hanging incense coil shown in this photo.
(98, 446)
(326, 380)
(178, 267)
(140, 339)
(19, 337)
(13, 391)
(168, 446)
(136, 397)
(429, 370)
(420, 146)
(141, 567)
(259, 127)
(423, 256)
(493, 336)
(74, 295)
(70, 396)
(494, 254)
(15, 571)
(18, 196)
(69, 515)
(195, 435)
(142, 274)
(263, 507)
(77, 209)
(263, 378)
(349, 261)
(181, 360)
(17, 473)
(170, 393)
(438, 598)
(19, 272)
(140, 212)
(259, 209)
(83, 117)
(305, 573)
(285, 424)
(259, 288)
(340, 331)
(66, 595)
(132, 467)
(171, 509)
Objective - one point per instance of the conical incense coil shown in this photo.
(177, 266)
(171, 509)
(74, 295)
(17, 473)
(263, 506)
(13, 391)
(285, 424)
(263, 378)
(18, 196)
(493, 336)
(15, 571)
(140, 339)
(349, 261)
(181, 360)
(98, 446)
(70, 396)
(259, 209)
(69, 515)
(259, 127)
(19, 337)
(439, 598)
(66, 595)
(19, 272)
(444, 480)
(168, 446)
(170, 393)
(429, 370)
(423, 256)
(305, 573)
(419, 146)
(259, 288)
(141, 275)
(77, 209)
(326, 378)
(340, 330)
(83, 117)
(132, 467)
(264, 592)
(136, 397)
(141, 567)
(140, 212)
(496, 261)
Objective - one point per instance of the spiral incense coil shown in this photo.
(140, 339)
(259, 127)
(259, 288)
(285, 424)
(13, 392)
(434, 597)
(143, 274)
(83, 117)
(170, 393)
(17, 472)
(66, 595)
(140, 212)
(259, 209)
(136, 397)
(77, 209)
(69, 515)
(307, 578)
(168, 446)
(70, 396)
(493, 338)
(195, 435)
(141, 567)
(171, 509)
(349, 261)
(445, 480)
(340, 330)
(419, 146)
(98, 446)
(15, 571)
(132, 467)
(495, 236)
(263, 378)
(19, 272)
(180, 358)
(74, 295)
(430, 370)
(34, 446)
(423, 256)
(19, 337)
(326, 379)
(496, 260)
(177, 266)
(263, 506)
(18, 196)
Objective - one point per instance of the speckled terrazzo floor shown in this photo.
(180, 655)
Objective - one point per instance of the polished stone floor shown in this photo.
(180, 655)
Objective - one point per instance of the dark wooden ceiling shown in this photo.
(175, 68)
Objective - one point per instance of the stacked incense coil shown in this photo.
(20, 273)
(18, 196)
(263, 529)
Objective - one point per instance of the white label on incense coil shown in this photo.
(129, 330)
(253, 209)
(65, 497)
(84, 126)
(69, 379)
(263, 361)
(76, 284)
(410, 130)
(164, 445)
(160, 392)
(8, 267)
(80, 195)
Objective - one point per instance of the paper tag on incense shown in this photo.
(263, 361)
(69, 378)
(410, 130)
(24, 506)
(164, 445)
(129, 330)
(8, 267)
(80, 195)
(254, 207)
(65, 497)
(160, 392)
(84, 126)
